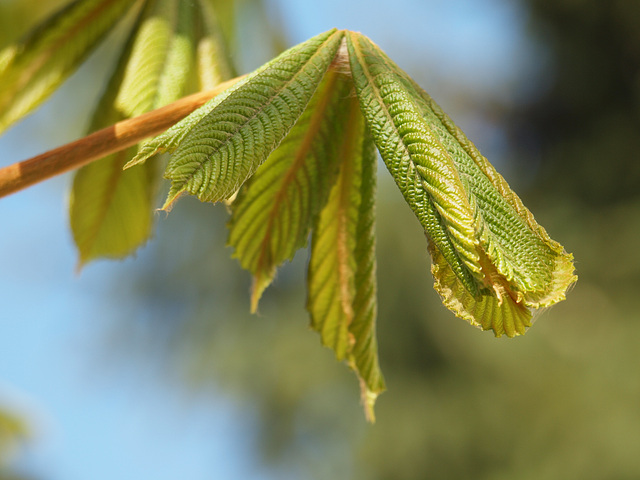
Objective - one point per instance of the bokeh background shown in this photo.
(153, 367)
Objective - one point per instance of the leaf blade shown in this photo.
(478, 228)
(273, 213)
(342, 269)
(179, 65)
(213, 58)
(110, 209)
(249, 122)
(161, 60)
(384, 122)
(34, 68)
(168, 141)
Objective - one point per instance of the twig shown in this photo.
(101, 143)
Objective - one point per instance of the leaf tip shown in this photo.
(368, 399)
(260, 284)
(133, 162)
(146, 150)
(255, 300)
(171, 199)
(82, 261)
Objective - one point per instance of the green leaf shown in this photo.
(161, 60)
(105, 113)
(214, 62)
(180, 62)
(111, 212)
(32, 69)
(169, 140)
(111, 209)
(342, 269)
(227, 145)
(383, 105)
(492, 262)
(6, 56)
(273, 213)
(13, 431)
(213, 66)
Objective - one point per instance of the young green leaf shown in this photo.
(562, 276)
(169, 140)
(227, 145)
(342, 269)
(273, 213)
(161, 59)
(32, 69)
(492, 262)
(214, 63)
(110, 210)
(179, 65)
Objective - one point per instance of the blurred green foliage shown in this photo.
(24, 14)
(13, 433)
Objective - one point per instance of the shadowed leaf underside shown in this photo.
(274, 211)
(111, 211)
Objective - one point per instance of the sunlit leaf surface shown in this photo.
(492, 262)
(111, 210)
(161, 60)
(227, 145)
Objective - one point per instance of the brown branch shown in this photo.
(109, 140)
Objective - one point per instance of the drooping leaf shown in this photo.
(342, 269)
(33, 68)
(154, 70)
(481, 235)
(562, 275)
(110, 210)
(273, 214)
(161, 60)
(213, 67)
(179, 65)
(227, 145)
(214, 63)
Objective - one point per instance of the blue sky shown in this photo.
(93, 420)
